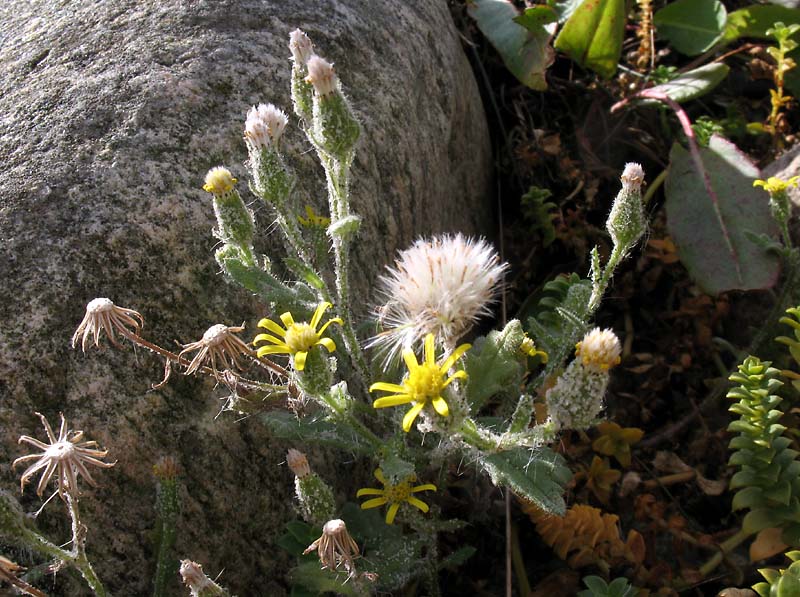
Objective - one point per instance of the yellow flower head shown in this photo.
(394, 495)
(424, 382)
(298, 338)
(313, 220)
(219, 181)
(775, 185)
(528, 347)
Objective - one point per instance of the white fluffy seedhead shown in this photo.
(439, 286)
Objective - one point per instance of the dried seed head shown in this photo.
(66, 455)
(104, 316)
(335, 546)
(298, 463)
(218, 349)
(301, 47)
(197, 581)
(321, 75)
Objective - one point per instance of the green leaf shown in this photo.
(593, 35)
(314, 429)
(395, 468)
(596, 585)
(535, 17)
(458, 557)
(304, 272)
(713, 245)
(525, 52)
(538, 476)
(753, 21)
(310, 576)
(493, 364)
(789, 583)
(691, 26)
(693, 84)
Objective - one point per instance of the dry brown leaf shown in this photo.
(767, 544)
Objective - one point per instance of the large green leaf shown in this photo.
(593, 35)
(526, 51)
(692, 84)
(716, 243)
(536, 475)
(691, 26)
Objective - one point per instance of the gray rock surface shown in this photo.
(110, 115)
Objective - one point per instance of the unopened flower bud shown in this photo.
(335, 129)
(301, 47)
(315, 496)
(199, 584)
(321, 75)
(626, 223)
(235, 223)
(345, 227)
(298, 463)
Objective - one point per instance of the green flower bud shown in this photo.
(302, 90)
(626, 223)
(272, 179)
(235, 223)
(334, 127)
(317, 505)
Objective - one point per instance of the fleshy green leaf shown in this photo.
(693, 84)
(713, 245)
(538, 476)
(535, 17)
(526, 52)
(691, 26)
(593, 35)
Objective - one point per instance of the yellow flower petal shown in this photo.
(327, 343)
(272, 327)
(426, 487)
(408, 420)
(300, 360)
(461, 374)
(386, 387)
(392, 512)
(430, 350)
(440, 406)
(265, 350)
(396, 400)
(457, 354)
(374, 503)
(269, 338)
(379, 475)
(320, 310)
(370, 491)
(418, 503)
(411, 359)
(327, 323)
(287, 319)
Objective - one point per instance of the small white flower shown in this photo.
(321, 75)
(632, 175)
(301, 47)
(265, 125)
(439, 286)
(599, 350)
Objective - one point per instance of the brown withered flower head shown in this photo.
(8, 573)
(335, 547)
(218, 347)
(66, 455)
(104, 316)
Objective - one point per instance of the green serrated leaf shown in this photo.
(457, 558)
(538, 476)
(710, 234)
(593, 35)
(493, 364)
(691, 26)
(525, 52)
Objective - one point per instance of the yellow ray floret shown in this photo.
(775, 185)
(424, 382)
(394, 495)
(297, 338)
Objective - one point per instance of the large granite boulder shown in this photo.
(111, 114)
